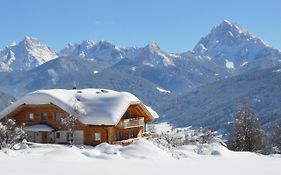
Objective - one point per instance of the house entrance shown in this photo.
(44, 137)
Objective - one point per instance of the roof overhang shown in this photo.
(39, 128)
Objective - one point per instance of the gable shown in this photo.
(23, 112)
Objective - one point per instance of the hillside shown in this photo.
(214, 104)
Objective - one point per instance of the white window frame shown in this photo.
(97, 136)
(31, 116)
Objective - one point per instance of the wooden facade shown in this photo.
(131, 125)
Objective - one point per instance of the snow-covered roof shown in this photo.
(39, 127)
(96, 106)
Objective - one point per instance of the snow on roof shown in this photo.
(151, 111)
(96, 106)
(39, 127)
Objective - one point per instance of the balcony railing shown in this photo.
(131, 122)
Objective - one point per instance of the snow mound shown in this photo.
(65, 153)
(140, 149)
(104, 151)
(143, 149)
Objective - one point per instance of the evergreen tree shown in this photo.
(247, 134)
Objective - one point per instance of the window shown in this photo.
(57, 117)
(97, 136)
(43, 116)
(69, 136)
(132, 133)
(57, 135)
(31, 116)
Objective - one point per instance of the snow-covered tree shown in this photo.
(171, 139)
(11, 134)
(205, 135)
(175, 137)
(70, 121)
(276, 136)
(247, 134)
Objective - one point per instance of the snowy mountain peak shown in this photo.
(228, 41)
(227, 26)
(104, 45)
(103, 51)
(31, 42)
(29, 39)
(151, 55)
(26, 55)
(227, 23)
(224, 34)
(88, 43)
(153, 46)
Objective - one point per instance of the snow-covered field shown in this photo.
(141, 157)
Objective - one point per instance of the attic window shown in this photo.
(43, 116)
(79, 92)
(31, 116)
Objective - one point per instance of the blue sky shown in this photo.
(176, 25)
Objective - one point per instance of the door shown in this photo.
(44, 137)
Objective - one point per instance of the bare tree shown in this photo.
(247, 134)
(11, 134)
(276, 136)
(205, 135)
(70, 121)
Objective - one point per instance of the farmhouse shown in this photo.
(102, 115)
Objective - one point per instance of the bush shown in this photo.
(182, 136)
(11, 134)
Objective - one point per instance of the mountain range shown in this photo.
(163, 80)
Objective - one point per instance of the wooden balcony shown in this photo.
(131, 123)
